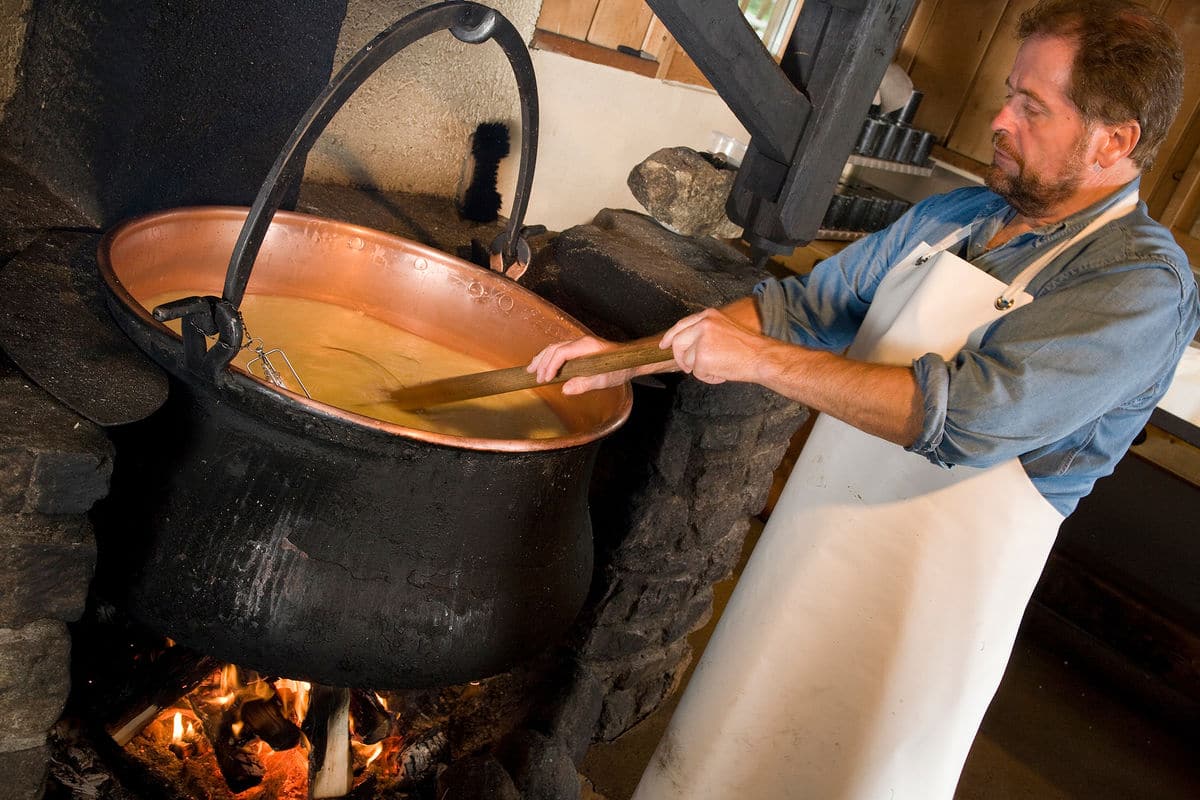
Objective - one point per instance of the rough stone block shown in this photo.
(725, 554)
(728, 432)
(671, 458)
(685, 192)
(638, 695)
(643, 596)
(34, 681)
(46, 564)
(668, 560)
(23, 773)
(756, 494)
(620, 641)
(720, 477)
(477, 776)
(570, 716)
(780, 425)
(541, 767)
(649, 632)
(629, 270)
(51, 460)
(740, 399)
(659, 518)
(692, 617)
(713, 527)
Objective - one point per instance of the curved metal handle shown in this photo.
(469, 22)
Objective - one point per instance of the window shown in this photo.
(626, 34)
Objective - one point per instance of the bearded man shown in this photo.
(977, 366)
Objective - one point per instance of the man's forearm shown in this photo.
(882, 400)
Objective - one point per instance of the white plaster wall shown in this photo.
(408, 127)
(597, 123)
(12, 40)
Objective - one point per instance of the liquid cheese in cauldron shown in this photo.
(351, 360)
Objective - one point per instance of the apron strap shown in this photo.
(1125, 204)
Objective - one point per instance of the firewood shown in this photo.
(175, 673)
(265, 719)
(421, 758)
(372, 722)
(235, 753)
(327, 725)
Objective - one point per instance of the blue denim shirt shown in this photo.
(1064, 383)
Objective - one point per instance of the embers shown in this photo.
(195, 727)
(241, 733)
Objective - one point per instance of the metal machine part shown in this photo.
(803, 118)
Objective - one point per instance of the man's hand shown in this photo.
(548, 363)
(714, 348)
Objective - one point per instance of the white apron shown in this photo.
(871, 627)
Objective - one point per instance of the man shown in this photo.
(978, 365)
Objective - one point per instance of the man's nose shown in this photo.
(1003, 119)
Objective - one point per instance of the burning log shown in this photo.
(265, 719)
(327, 725)
(175, 673)
(372, 722)
(421, 758)
(237, 755)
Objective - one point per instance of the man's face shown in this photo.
(1040, 139)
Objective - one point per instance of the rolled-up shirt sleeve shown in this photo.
(824, 309)
(1046, 368)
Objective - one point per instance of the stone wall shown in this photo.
(675, 488)
(53, 467)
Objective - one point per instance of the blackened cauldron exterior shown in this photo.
(303, 540)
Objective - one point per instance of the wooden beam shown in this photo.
(585, 51)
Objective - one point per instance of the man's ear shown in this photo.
(1117, 142)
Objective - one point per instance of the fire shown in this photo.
(295, 697)
(238, 718)
(368, 753)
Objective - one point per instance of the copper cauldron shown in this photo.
(300, 539)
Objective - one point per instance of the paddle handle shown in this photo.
(501, 381)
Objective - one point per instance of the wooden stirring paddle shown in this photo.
(500, 381)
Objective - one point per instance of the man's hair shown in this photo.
(1128, 65)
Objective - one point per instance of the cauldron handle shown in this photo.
(468, 22)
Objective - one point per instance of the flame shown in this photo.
(229, 679)
(236, 728)
(382, 701)
(367, 752)
(177, 727)
(295, 696)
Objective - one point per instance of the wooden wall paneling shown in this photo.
(570, 18)
(918, 25)
(1167, 177)
(620, 22)
(1181, 211)
(658, 41)
(682, 69)
(949, 57)
(1176, 152)
(971, 135)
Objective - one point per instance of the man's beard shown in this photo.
(1031, 194)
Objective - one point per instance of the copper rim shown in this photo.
(363, 268)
